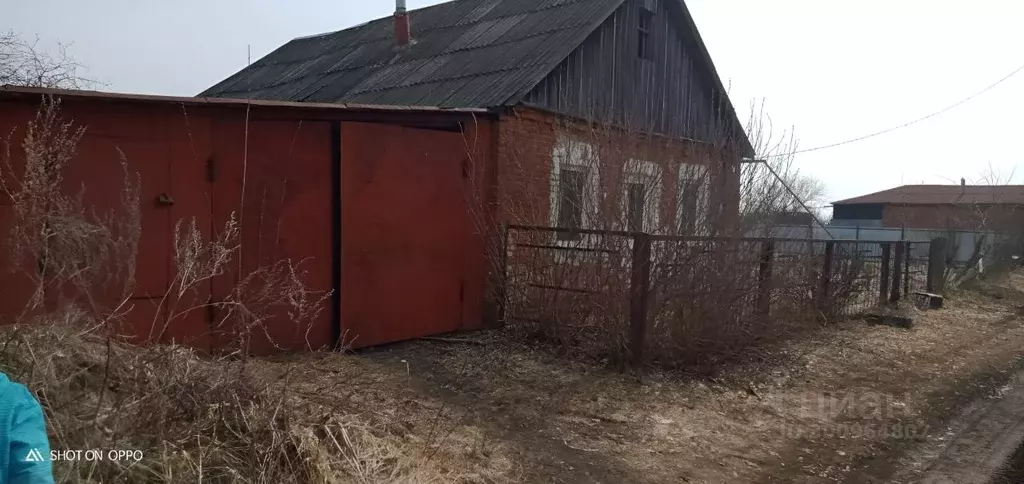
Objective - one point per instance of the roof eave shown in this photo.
(705, 55)
(9, 91)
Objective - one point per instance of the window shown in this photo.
(636, 200)
(692, 210)
(641, 192)
(644, 34)
(574, 186)
(571, 183)
(688, 211)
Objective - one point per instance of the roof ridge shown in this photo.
(444, 4)
(368, 22)
(955, 193)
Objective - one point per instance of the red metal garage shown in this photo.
(375, 200)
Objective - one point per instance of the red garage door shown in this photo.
(285, 215)
(408, 248)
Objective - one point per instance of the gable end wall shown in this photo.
(606, 80)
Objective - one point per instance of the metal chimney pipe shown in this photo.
(403, 27)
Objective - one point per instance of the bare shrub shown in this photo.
(606, 185)
(993, 222)
(70, 253)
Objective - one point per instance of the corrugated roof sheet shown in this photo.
(467, 53)
(8, 92)
(943, 195)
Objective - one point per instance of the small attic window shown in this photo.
(644, 34)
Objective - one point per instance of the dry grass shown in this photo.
(232, 419)
(314, 419)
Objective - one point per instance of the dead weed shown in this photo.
(308, 419)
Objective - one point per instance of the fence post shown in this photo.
(638, 299)
(937, 265)
(825, 281)
(906, 268)
(883, 284)
(502, 289)
(764, 278)
(897, 272)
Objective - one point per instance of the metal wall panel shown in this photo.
(412, 263)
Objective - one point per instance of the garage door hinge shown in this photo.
(211, 169)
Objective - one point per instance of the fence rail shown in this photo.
(635, 294)
(963, 245)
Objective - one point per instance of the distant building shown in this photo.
(954, 207)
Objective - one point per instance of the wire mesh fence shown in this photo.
(570, 287)
(632, 295)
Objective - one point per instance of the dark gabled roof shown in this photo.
(943, 195)
(467, 53)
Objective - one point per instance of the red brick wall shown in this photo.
(527, 141)
(526, 144)
(953, 217)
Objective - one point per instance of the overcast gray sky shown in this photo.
(832, 70)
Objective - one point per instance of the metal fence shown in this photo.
(622, 290)
(963, 245)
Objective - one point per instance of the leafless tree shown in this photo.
(771, 183)
(24, 63)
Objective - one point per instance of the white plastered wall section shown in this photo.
(580, 157)
(693, 177)
(648, 174)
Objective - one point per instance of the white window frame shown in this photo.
(648, 174)
(687, 173)
(574, 155)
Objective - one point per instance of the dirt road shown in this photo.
(850, 403)
(976, 445)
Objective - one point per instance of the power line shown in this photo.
(904, 125)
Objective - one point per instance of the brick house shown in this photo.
(607, 109)
(945, 207)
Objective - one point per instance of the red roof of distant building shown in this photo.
(943, 195)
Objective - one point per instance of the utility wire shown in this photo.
(872, 135)
(904, 125)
